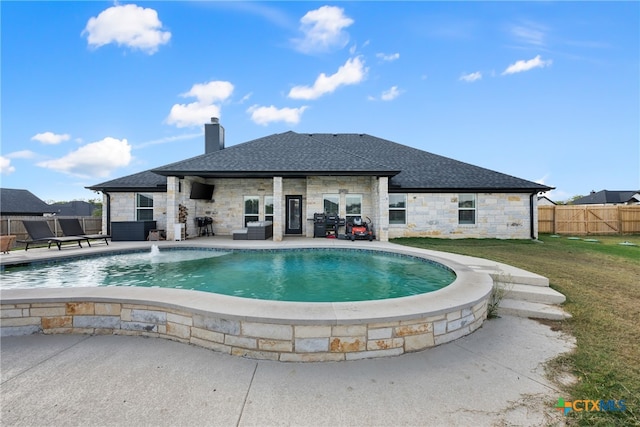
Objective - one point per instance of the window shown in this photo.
(251, 206)
(397, 208)
(354, 205)
(144, 207)
(467, 209)
(331, 204)
(268, 208)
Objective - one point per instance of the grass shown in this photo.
(601, 280)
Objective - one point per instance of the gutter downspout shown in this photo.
(108, 213)
(532, 216)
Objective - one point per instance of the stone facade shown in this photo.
(498, 215)
(288, 342)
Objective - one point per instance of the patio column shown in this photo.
(172, 205)
(278, 211)
(382, 228)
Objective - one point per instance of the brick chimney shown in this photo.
(213, 136)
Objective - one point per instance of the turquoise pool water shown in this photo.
(307, 275)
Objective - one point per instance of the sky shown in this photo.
(544, 91)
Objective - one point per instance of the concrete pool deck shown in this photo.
(492, 376)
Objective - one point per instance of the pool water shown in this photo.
(313, 275)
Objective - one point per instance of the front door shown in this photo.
(294, 215)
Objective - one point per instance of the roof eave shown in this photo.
(269, 174)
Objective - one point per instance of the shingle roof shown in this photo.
(606, 197)
(297, 154)
(21, 202)
(142, 181)
(286, 153)
(421, 170)
(347, 154)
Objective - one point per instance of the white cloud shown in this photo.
(245, 98)
(388, 57)
(323, 30)
(266, 115)
(200, 112)
(530, 33)
(471, 77)
(23, 154)
(127, 25)
(5, 166)
(208, 93)
(523, 65)
(390, 94)
(168, 139)
(352, 72)
(50, 138)
(94, 160)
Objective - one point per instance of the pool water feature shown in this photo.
(312, 275)
(261, 329)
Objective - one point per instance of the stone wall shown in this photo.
(123, 208)
(498, 215)
(288, 342)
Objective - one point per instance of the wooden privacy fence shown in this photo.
(13, 225)
(585, 219)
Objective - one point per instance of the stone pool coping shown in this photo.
(284, 331)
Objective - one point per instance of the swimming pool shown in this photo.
(309, 275)
(261, 329)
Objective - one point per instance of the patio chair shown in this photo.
(40, 232)
(71, 227)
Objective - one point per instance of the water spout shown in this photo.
(155, 251)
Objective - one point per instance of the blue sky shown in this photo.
(545, 91)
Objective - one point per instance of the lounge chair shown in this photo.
(40, 232)
(71, 227)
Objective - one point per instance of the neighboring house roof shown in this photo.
(296, 154)
(73, 208)
(142, 181)
(544, 200)
(21, 202)
(605, 197)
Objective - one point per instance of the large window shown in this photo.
(251, 209)
(397, 208)
(331, 204)
(144, 207)
(466, 209)
(268, 208)
(354, 206)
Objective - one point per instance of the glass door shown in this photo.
(294, 215)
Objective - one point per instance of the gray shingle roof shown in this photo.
(286, 153)
(21, 202)
(606, 197)
(348, 154)
(421, 170)
(297, 154)
(142, 181)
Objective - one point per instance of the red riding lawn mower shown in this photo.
(359, 229)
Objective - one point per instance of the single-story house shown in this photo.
(286, 178)
(609, 197)
(18, 202)
(545, 201)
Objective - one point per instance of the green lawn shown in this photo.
(601, 280)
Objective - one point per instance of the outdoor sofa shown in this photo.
(255, 230)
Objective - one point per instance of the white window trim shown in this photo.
(405, 209)
(144, 208)
(244, 208)
(474, 209)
